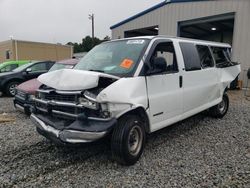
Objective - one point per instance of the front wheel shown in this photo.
(11, 88)
(220, 110)
(128, 140)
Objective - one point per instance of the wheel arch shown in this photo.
(12, 80)
(141, 112)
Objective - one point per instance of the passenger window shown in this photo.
(221, 56)
(206, 58)
(40, 67)
(167, 52)
(190, 56)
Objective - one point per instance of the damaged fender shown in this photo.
(124, 95)
(227, 75)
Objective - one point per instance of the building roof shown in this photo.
(166, 2)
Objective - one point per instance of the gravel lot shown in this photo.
(198, 152)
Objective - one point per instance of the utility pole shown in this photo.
(92, 18)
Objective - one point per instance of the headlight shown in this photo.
(88, 103)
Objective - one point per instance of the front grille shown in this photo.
(21, 94)
(47, 103)
(61, 98)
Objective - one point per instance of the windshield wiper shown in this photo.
(97, 70)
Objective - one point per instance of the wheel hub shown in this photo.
(13, 89)
(135, 140)
(222, 106)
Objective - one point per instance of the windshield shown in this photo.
(59, 66)
(23, 67)
(119, 58)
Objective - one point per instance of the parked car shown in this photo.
(25, 92)
(11, 65)
(131, 87)
(9, 80)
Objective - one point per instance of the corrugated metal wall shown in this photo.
(167, 17)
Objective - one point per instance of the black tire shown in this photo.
(220, 110)
(130, 128)
(10, 88)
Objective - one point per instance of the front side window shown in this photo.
(165, 50)
(40, 67)
(119, 58)
(206, 58)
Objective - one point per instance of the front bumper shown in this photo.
(22, 104)
(78, 131)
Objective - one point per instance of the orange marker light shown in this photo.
(127, 63)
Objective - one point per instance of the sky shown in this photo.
(62, 21)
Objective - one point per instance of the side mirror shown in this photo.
(28, 70)
(159, 65)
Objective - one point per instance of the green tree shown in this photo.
(87, 44)
(107, 38)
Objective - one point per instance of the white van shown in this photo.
(131, 87)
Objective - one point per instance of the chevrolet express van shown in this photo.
(128, 88)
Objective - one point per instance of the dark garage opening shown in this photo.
(217, 28)
(148, 31)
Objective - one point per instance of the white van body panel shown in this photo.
(165, 100)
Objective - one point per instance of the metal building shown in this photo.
(216, 20)
(27, 50)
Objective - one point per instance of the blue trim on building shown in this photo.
(150, 10)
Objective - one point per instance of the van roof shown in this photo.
(180, 39)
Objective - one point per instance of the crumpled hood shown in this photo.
(72, 79)
(30, 86)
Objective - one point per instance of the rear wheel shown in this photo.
(11, 88)
(220, 110)
(128, 140)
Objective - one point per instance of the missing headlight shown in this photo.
(88, 103)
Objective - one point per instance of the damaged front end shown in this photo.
(73, 116)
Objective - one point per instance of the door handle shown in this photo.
(180, 81)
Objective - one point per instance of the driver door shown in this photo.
(164, 89)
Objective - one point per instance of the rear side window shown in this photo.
(190, 56)
(221, 56)
(206, 58)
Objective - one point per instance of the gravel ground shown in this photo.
(198, 152)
